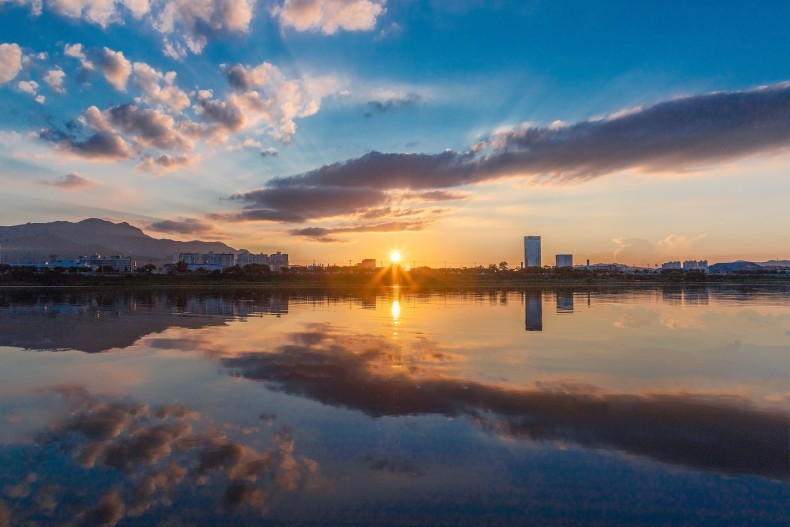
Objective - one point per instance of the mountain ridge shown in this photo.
(37, 241)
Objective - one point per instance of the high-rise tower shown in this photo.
(532, 251)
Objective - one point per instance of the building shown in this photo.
(367, 263)
(564, 260)
(248, 258)
(117, 263)
(209, 262)
(695, 265)
(278, 261)
(532, 251)
(670, 265)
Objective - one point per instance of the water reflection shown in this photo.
(354, 371)
(565, 301)
(121, 458)
(533, 310)
(218, 407)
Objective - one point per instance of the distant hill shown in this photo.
(36, 241)
(776, 263)
(732, 267)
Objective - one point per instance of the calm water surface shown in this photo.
(553, 407)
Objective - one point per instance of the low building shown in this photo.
(367, 263)
(671, 265)
(564, 260)
(117, 263)
(278, 261)
(695, 265)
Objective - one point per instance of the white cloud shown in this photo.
(158, 88)
(264, 95)
(188, 24)
(101, 12)
(138, 8)
(116, 68)
(329, 16)
(10, 62)
(40, 99)
(76, 51)
(54, 78)
(35, 5)
(30, 87)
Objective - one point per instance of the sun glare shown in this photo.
(395, 257)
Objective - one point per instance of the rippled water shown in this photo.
(249, 407)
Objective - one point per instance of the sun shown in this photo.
(395, 256)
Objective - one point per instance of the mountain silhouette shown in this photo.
(34, 242)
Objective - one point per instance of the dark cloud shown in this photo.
(721, 434)
(151, 127)
(325, 234)
(269, 152)
(184, 226)
(227, 115)
(109, 511)
(675, 135)
(298, 204)
(71, 181)
(392, 104)
(239, 78)
(102, 145)
(435, 195)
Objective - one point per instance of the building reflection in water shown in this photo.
(534, 310)
(564, 301)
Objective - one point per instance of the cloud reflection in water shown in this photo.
(717, 433)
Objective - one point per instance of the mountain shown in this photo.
(36, 241)
(732, 267)
(776, 263)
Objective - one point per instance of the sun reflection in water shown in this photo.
(395, 311)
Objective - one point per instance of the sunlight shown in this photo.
(395, 257)
(395, 309)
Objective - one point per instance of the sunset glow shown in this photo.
(322, 129)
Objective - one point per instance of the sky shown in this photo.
(337, 130)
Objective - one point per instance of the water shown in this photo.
(244, 407)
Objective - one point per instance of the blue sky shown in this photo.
(619, 131)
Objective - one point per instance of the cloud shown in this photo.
(188, 24)
(393, 104)
(101, 12)
(182, 226)
(103, 143)
(674, 135)
(76, 51)
(329, 16)
(55, 78)
(269, 152)
(10, 62)
(71, 181)
(35, 5)
(264, 95)
(297, 204)
(631, 250)
(158, 88)
(164, 163)
(116, 68)
(322, 234)
(147, 127)
(29, 87)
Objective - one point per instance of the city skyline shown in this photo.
(350, 129)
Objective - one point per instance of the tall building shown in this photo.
(564, 260)
(532, 251)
